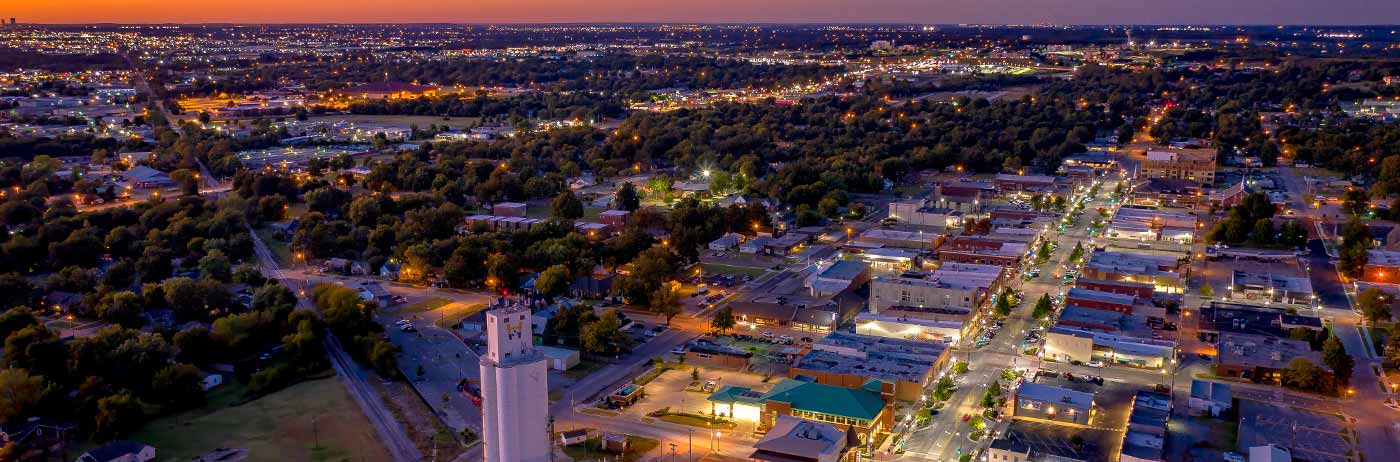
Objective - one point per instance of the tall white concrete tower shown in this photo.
(514, 391)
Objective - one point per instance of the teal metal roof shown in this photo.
(828, 399)
(733, 394)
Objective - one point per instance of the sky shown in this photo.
(1338, 12)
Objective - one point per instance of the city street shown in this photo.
(945, 438)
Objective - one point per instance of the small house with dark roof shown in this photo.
(120, 451)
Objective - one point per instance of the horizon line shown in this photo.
(701, 23)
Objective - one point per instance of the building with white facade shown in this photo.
(514, 405)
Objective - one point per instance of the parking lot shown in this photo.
(1113, 399)
(1311, 435)
(674, 389)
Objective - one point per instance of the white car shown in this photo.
(1094, 364)
(678, 350)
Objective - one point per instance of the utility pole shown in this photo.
(690, 443)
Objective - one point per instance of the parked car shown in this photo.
(1095, 364)
(678, 350)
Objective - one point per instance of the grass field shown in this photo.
(403, 120)
(456, 312)
(637, 447)
(276, 427)
(425, 305)
(717, 268)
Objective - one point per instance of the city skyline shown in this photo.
(1255, 12)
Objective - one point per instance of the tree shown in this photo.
(665, 302)
(37, 349)
(1335, 356)
(116, 415)
(1356, 240)
(1356, 201)
(723, 320)
(1003, 305)
(989, 398)
(19, 392)
(196, 345)
(1043, 253)
(304, 345)
(1207, 291)
(553, 280)
(1300, 374)
(13, 320)
(1078, 252)
(1374, 304)
(566, 206)
(123, 308)
(604, 337)
(1392, 343)
(216, 266)
(179, 385)
(627, 198)
(1043, 308)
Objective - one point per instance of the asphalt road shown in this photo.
(946, 437)
(355, 378)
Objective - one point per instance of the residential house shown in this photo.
(120, 451)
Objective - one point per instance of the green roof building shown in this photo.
(863, 410)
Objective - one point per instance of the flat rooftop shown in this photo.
(1098, 296)
(1049, 394)
(1382, 257)
(1263, 351)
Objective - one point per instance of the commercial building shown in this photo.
(919, 213)
(515, 404)
(1136, 289)
(705, 353)
(1147, 428)
(1160, 271)
(917, 240)
(982, 250)
(1382, 266)
(850, 360)
(509, 209)
(961, 285)
(143, 177)
(1067, 343)
(884, 260)
(962, 196)
(792, 439)
(1044, 402)
(1149, 224)
(501, 224)
(1272, 287)
(865, 410)
(838, 277)
(1034, 184)
(726, 242)
(1107, 301)
(1218, 317)
(1167, 192)
(1190, 164)
(387, 90)
(1211, 398)
(910, 328)
(1008, 450)
(1262, 358)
